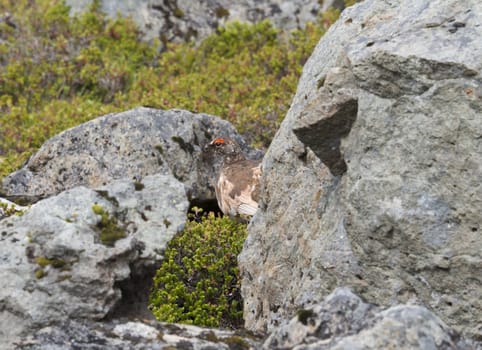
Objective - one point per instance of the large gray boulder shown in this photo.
(184, 20)
(373, 180)
(73, 256)
(131, 144)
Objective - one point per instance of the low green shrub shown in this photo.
(198, 281)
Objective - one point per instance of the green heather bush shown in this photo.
(198, 281)
(57, 72)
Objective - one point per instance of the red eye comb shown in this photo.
(218, 141)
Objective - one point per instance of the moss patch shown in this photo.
(178, 13)
(236, 342)
(198, 282)
(40, 273)
(138, 186)
(305, 315)
(108, 228)
(9, 210)
(221, 12)
(42, 261)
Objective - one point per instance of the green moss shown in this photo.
(210, 336)
(42, 261)
(320, 82)
(40, 273)
(108, 228)
(159, 149)
(178, 13)
(9, 210)
(198, 282)
(138, 186)
(57, 263)
(236, 342)
(99, 210)
(304, 316)
(221, 12)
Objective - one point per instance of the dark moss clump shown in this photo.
(138, 186)
(109, 230)
(304, 316)
(236, 342)
(9, 210)
(320, 82)
(42, 261)
(40, 273)
(222, 12)
(198, 282)
(159, 149)
(178, 13)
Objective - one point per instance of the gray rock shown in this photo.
(344, 321)
(384, 197)
(184, 20)
(133, 335)
(131, 144)
(56, 265)
(153, 211)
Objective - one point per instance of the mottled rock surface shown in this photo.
(57, 264)
(124, 334)
(131, 144)
(344, 321)
(184, 20)
(373, 180)
(153, 210)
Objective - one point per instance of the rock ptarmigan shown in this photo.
(237, 184)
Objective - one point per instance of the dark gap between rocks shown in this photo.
(135, 295)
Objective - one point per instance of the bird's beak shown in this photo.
(207, 147)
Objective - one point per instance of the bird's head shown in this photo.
(225, 148)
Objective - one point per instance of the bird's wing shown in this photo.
(240, 187)
(223, 188)
(248, 208)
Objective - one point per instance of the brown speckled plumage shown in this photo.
(237, 185)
